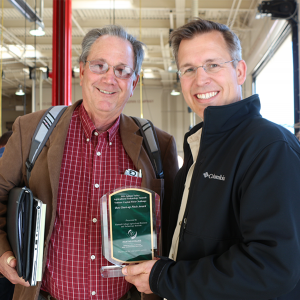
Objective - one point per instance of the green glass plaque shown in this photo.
(131, 225)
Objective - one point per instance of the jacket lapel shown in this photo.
(132, 142)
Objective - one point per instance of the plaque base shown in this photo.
(111, 271)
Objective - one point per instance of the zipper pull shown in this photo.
(182, 230)
(184, 223)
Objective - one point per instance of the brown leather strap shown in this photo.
(46, 295)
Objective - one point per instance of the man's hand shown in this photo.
(139, 274)
(8, 265)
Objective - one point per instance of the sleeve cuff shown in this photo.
(156, 273)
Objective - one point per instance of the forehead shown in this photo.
(112, 49)
(204, 46)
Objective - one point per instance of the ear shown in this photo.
(81, 71)
(134, 84)
(241, 71)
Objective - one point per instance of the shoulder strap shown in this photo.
(151, 144)
(42, 133)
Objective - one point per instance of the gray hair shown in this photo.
(113, 30)
(198, 26)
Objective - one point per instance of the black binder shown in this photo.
(20, 228)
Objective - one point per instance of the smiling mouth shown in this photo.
(206, 95)
(106, 92)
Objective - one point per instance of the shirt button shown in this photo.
(110, 143)
(87, 140)
(95, 220)
(93, 293)
(93, 257)
(98, 153)
(180, 222)
(95, 133)
(97, 185)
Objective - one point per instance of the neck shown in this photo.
(102, 125)
(101, 119)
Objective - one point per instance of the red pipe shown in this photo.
(68, 52)
(62, 53)
(54, 54)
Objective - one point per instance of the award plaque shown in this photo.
(128, 228)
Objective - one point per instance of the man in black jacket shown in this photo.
(234, 231)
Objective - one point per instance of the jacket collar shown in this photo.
(218, 119)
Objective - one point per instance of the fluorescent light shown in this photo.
(125, 4)
(18, 50)
(15, 50)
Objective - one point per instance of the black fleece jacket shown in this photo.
(241, 234)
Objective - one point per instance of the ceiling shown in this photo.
(149, 21)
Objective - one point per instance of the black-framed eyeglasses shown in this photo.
(210, 68)
(101, 67)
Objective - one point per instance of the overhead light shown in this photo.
(37, 30)
(175, 92)
(19, 91)
(76, 69)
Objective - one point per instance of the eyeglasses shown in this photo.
(101, 67)
(209, 68)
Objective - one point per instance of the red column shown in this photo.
(62, 53)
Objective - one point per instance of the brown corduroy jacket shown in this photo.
(44, 178)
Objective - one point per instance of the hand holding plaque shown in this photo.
(128, 228)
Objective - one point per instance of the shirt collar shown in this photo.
(194, 142)
(89, 127)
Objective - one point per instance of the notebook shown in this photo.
(39, 217)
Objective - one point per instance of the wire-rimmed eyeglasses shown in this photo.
(210, 68)
(101, 67)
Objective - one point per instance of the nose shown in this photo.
(201, 76)
(109, 76)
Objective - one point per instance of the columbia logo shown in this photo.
(214, 176)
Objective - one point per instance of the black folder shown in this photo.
(20, 228)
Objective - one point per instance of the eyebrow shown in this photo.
(104, 60)
(205, 62)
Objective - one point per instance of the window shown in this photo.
(274, 85)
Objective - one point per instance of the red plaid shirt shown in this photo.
(93, 164)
